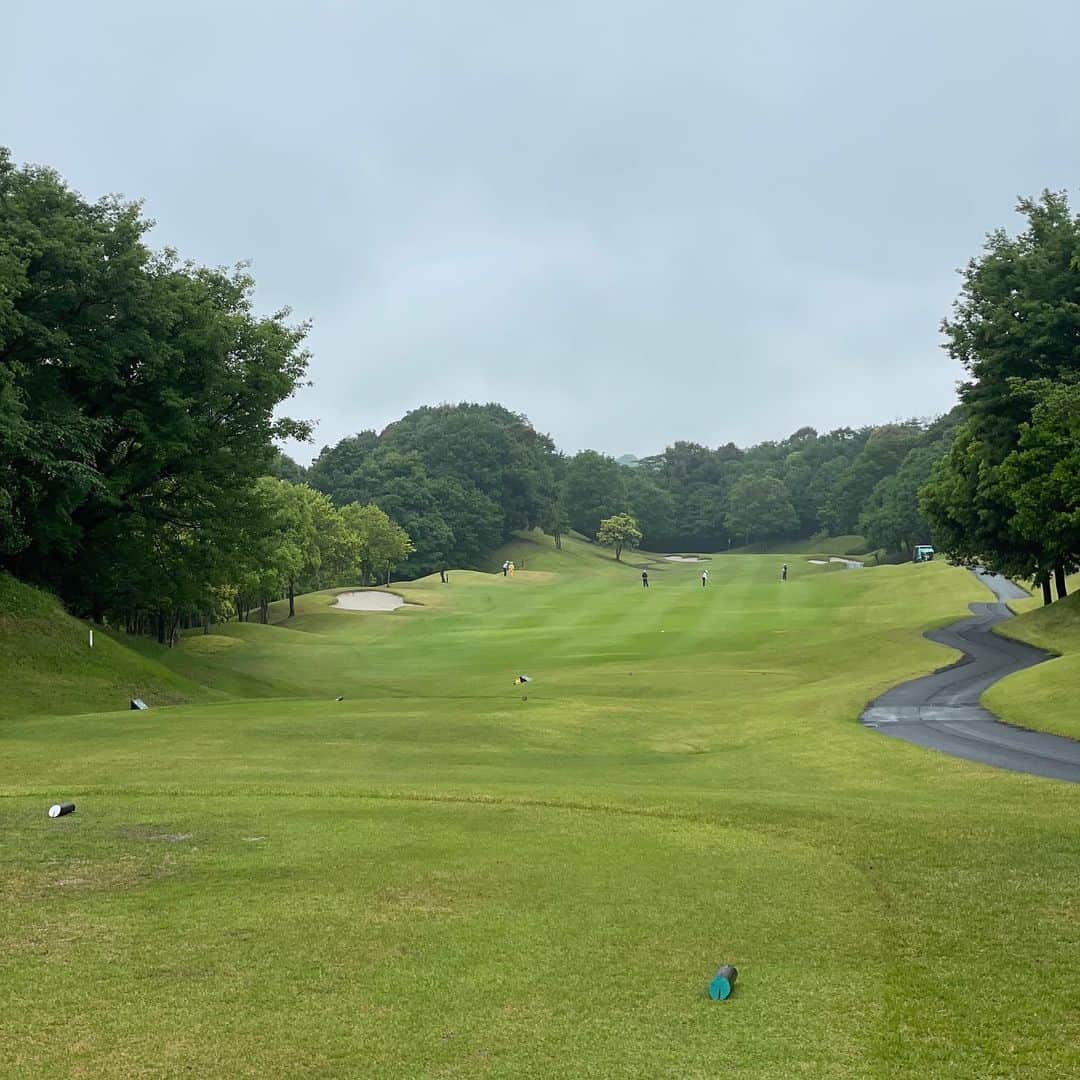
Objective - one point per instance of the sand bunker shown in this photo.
(819, 562)
(849, 564)
(683, 558)
(369, 601)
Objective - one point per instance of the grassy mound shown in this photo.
(534, 550)
(850, 544)
(1035, 600)
(447, 874)
(47, 665)
(1044, 698)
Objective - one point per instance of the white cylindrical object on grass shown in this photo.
(61, 808)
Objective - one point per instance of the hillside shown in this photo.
(850, 544)
(1044, 697)
(1035, 600)
(47, 665)
(534, 550)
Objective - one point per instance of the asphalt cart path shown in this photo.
(942, 710)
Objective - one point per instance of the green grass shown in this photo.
(849, 544)
(1035, 600)
(534, 550)
(1046, 697)
(47, 665)
(436, 878)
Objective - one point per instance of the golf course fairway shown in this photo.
(445, 874)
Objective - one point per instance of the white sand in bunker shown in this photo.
(683, 558)
(369, 601)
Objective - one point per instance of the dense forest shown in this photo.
(462, 478)
(141, 480)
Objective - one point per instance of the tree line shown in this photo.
(462, 479)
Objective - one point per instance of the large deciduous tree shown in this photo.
(381, 545)
(619, 531)
(137, 394)
(1042, 476)
(1017, 319)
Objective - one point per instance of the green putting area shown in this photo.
(448, 874)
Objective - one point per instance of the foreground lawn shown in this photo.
(445, 874)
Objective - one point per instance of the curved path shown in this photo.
(942, 710)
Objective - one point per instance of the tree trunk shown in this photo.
(160, 627)
(206, 623)
(264, 611)
(292, 590)
(558, 541)
(1059, 581)
(1048, 596)
(618, 552)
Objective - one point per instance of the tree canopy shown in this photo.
(1016, 330)
(760, 507)
(619, 531)
(459, 479)
(138, 399)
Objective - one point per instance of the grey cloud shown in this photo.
(635, 222)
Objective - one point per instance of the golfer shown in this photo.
(704, 578)
(644, 579)
(783, 572)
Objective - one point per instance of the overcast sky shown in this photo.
(635, 222)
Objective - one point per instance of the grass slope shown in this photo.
(47, 665)
(446, 875)
(849, 544)
(1045, 697)
(1035, 600)
(534, 550)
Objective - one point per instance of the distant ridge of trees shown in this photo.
(462, 478)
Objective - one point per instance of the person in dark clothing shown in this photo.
(644, 579)
(783, 572)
